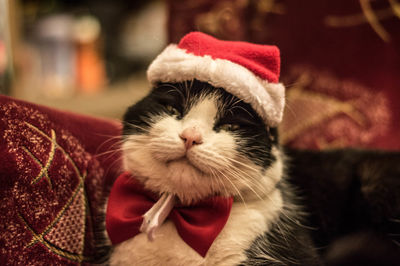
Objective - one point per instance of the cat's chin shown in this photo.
(184, 165)
(182, 171)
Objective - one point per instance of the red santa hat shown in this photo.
(248, 71)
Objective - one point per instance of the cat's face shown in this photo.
(196, 141)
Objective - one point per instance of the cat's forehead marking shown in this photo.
(204, 110)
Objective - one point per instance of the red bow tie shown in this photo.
(198, 225)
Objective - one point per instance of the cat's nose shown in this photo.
(191, 136)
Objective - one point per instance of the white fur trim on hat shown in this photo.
(176, 65)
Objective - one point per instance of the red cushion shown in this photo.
(54, 170)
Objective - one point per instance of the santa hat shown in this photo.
(248, 71)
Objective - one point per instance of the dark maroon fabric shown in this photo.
(198, 224)
(55, 167)
(340, 63)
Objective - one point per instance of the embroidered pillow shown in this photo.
(55, 167)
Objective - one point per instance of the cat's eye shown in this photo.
(172, 110)
(229, 127)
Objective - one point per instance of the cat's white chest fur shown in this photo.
(245, 223)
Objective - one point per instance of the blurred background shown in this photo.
(340, 58)
(81, 55)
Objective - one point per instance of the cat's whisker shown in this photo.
(110, 152)
(242, 181)
(219, 180)
(234, 187)
(109, 138)
(112, 147)
(256, 183)
(232, 101)
(133, 144)
(249, 171)
(241, 108)
(165, 141)
(186, 96)
(237, 101)
(290, 207)
(210, 159)
(246, 165)
(175, 89)
(126, 149)
(253, 174)
(213, 180)
(284, 228)
(191, 83)
(144, 129)
(251, 181)
(114, 163)
(116, 142)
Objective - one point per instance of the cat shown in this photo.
(351, 197)
(196, 141)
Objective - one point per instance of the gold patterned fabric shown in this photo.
(53, 177)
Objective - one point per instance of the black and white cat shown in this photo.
(208, 130)
(195, 141)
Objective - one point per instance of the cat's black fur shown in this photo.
(353, 197)
(280, 243)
